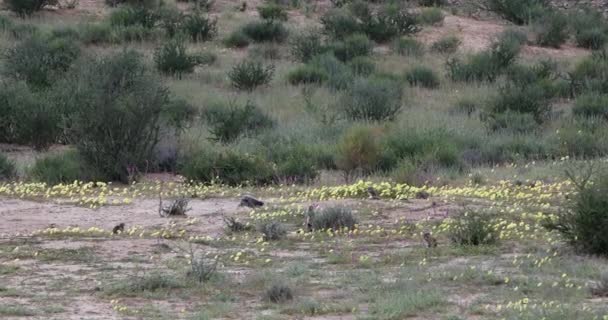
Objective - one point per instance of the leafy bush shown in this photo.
(38, 61)
(389, 22)
(512, 121)
(272, 231)
(590, 28)
(446, 45)
(375, 99)
(334, 218)
(295, 163)
(173, 59)
(339, 76)
(278, 293)
(228, 122)
(27, 7)
(362, 66)
(407, 46)
(583, 138)
(134, 15)
(237, 39)
(338, 24)
(59, 168)
(306, 45)
(249, 74)
(518, 11)
(594, 38)
(121, 87)
(352, 46)
(591, 105)
(472, 228)
(199, 27)
(265, 31)
(590, 74)
(583, 223)
(7, 168)
(532, 99)
(358, 151)
(227, 166)
(430, 16)
(306, 74)
(551, 29)
(422, 76)
(272, 11)
(96, 33)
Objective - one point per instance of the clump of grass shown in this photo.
(272, 231)
(151, 282)
(430, 16)
(278, 293)
(307, 74)
(407, 46)
(402, 300)
(237, 39)
(66, 167)
(473, 228)
(422, 76)
(201, 269)
(177, 208)
(248, 75)
(446, 45)
(334, 218)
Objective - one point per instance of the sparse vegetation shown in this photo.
(473, 228)
(272, 231)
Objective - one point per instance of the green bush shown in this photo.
(173, 59)
(339, 76)
(306, 74)
(266, 31)
(96, 33)
(272, 11)
(273, 231)
(351, 47)
(338, 24)
(39, 61)
(7, 168)
(590, 74)
(118, 86)
(199, 27)
(591, 105)
(171, 19)
(518, 11)
(446, 45)
(590, 28)
(531, 99)
(594, 38)
(334, 218)
(358, 151)
(266, 51)
(226, 166)
(362, 66)
(583, 138)
(249, 74)
(430, 16)
(389, 22)
(472, 228)
(134, 15)
(583, 223)
(237, 39)
(551, 29)
(407, 46)
(512, 121)
(306, 45)
(59, 168)
(295, 163)
(374, 99)
(228, 122)
(422, 76)
(27, 7)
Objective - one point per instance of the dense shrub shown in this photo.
(265, 31)
(513, 121)
(551, 29)
(583, 223)
(295, 162)
(422, 76)
(96, 33)
(249, 74)
(339, 76)
(27, 7)
(334, 218)
(590, 74)
(594, 38)
(7, 168)
(531, 99)
(352, 46)
(117, 87)
(583, 138)
(374, 99)
(227, 166)
(306, 74)
(472, 228)
(591, 105)
(362, 66)
(134, 15)
(518, 11)
(389, 22)
(306, 45)
(173, 59)
(38, 60)
(338, 23)
(446, 45)
(407, 46)
(59, 168)
(358, 151)
(590, 28)
(272, 11)
(228, 122)
(199, 27)
(237, 39)
(430, 16)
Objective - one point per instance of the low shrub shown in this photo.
(372, 99)
(389, 22)
(594, 38)
(351, 47)
(583, 223)
(446, 45)
(338, 24)
(473, 228)
(63, 168)
(306, 45)
(228, 122)
(339, 75)
(307, 74)
(512, 121)
(589, 28)
(334, 218)
(226, 166)
(96, 33)
(407, 46)
(518, 11)
(430, 16)
(249, 74)
(272, 231)
(358, 151)
(199, 27)
(272, 11)
(466, 106)
(590, 74)
(173, 59)
(362, 66)
(237, 39)
(422, 76)
(134, 15)
(278, 293)
(551, 29)
(531, 99)
(7, 168)
(28, 7)
(410, 172)
(265, 31)
(591, 105)
(295, 163)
